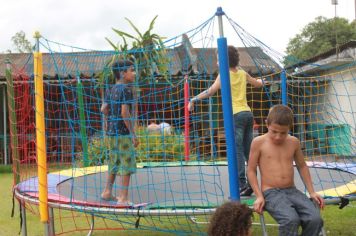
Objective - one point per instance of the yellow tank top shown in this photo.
(238, 91)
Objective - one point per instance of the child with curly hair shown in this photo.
(231, 219)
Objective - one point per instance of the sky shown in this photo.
(86, 23)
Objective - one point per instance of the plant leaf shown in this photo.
(121, 33)
(134, 27)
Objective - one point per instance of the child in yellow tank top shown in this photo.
(243, 117)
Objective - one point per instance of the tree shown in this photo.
(21, 43)
(319, 36)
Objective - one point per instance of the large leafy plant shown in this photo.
(146, 48)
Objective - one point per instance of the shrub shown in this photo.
(152, 148)
(160, 147)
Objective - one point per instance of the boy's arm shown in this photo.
(305, 174)
(105, 110)
(252, 175)
(125, 113)
(257, 83)
(206, 93)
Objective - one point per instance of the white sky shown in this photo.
(86, 23)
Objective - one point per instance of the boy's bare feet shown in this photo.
(127, 203)
(122, 201)
(108, 197)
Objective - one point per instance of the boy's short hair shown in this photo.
(119, 66)
(230, 219)
(280, 115)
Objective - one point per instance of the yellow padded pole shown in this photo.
(41, 138)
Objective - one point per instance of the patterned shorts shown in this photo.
(121, 155)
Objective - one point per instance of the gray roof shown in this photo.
(63, 64)
(92, 62)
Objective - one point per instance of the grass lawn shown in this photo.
(337, 222)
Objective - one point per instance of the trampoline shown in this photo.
(172, 189)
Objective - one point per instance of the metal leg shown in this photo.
(91, 226)
(322, 232)
(51, 221)
(46, 229)
(24, 223)
(263, 225)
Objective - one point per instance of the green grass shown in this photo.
(337, 222)
(5, 169)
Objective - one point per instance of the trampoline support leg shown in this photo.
(46, 229)
(91, 226)
(322, 232)
(263, 225)
(24, 223)
(51, 221)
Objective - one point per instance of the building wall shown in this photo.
(341, 95)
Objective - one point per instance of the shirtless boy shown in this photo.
(274, 153)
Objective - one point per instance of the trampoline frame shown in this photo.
(138, 212)
(134, 212)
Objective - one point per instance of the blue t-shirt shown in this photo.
(115, 97)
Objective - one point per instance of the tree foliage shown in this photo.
(21, 43)
(319, 36)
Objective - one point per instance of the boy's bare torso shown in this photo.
(276, 163)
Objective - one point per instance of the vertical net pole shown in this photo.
(284, 88)
(83, 130)
(186, 120)
(5, 124)
(211, 125)
(13, 122)
(40, 134)
(227, 111)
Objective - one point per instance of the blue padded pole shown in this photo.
(227, 111)
(284, 88)
(228, 121)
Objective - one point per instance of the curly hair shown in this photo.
(231, 219)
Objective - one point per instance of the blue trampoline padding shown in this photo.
(31, 185)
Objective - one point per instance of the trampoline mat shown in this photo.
(182, 186)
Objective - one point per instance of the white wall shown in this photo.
(340, 103)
